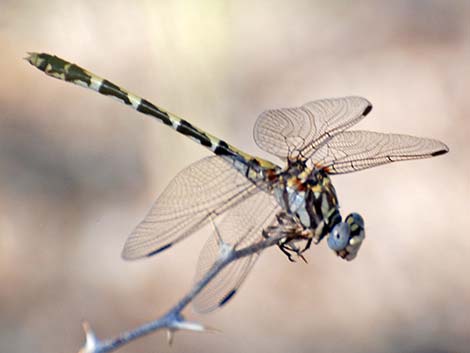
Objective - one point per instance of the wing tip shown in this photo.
(159, 250)
(368, 109)
(441, 151)
(360, 101)
(227, 297)
(207, 307)
(128, 254)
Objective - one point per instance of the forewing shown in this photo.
(240, 227)
(351, 151)
(206, 188)
(289, 132)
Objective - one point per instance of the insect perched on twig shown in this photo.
(248, 198)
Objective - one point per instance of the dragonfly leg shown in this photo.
(289, 248)
(283, 218)
(293, 231)
(268, 230)
(307, 246)
(265, 234)
(286, 249)
(282, 244)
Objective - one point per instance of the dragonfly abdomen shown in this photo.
(66, 71)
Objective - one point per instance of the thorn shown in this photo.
(182, 324)
(189, 326)
(193, 326)
(91, 342)
(170, 334)
(210, 329)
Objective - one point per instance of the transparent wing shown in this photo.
(206, 188)
(288, 132)
(240, 227)
(351, 151)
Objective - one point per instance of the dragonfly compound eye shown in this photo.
(355, 220)
(357, 234)
(339, 236)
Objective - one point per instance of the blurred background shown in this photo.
(79, 171)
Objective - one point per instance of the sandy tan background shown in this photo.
(78, 171)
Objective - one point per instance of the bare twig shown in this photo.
(173, 320)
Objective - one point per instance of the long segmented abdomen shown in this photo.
(66, 71)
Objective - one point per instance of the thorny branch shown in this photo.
(173, 320)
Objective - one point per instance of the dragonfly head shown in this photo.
(346, 237)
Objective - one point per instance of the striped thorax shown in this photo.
(309, 196)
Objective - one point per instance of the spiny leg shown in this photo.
(286, 249)
(289, 248)
(306, 247)
(293, 231)
(282, 243)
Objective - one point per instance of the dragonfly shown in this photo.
(247, 198)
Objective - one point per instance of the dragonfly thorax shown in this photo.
(309, 197)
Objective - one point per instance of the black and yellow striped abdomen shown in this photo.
(66, 71)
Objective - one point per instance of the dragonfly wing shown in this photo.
(240, 227)
(351, 151)
(288, 132)
(203, 190)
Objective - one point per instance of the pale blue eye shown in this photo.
(355, 218)
(339, 236)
